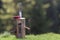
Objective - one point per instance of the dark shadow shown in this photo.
(2, 26)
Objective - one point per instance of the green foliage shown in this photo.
(47, 36)
(7, 36)
(38, 21)
(32, 9)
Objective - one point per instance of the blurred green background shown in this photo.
(41, 15)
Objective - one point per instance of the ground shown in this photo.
(46, 36)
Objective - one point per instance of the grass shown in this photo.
(47, 36)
